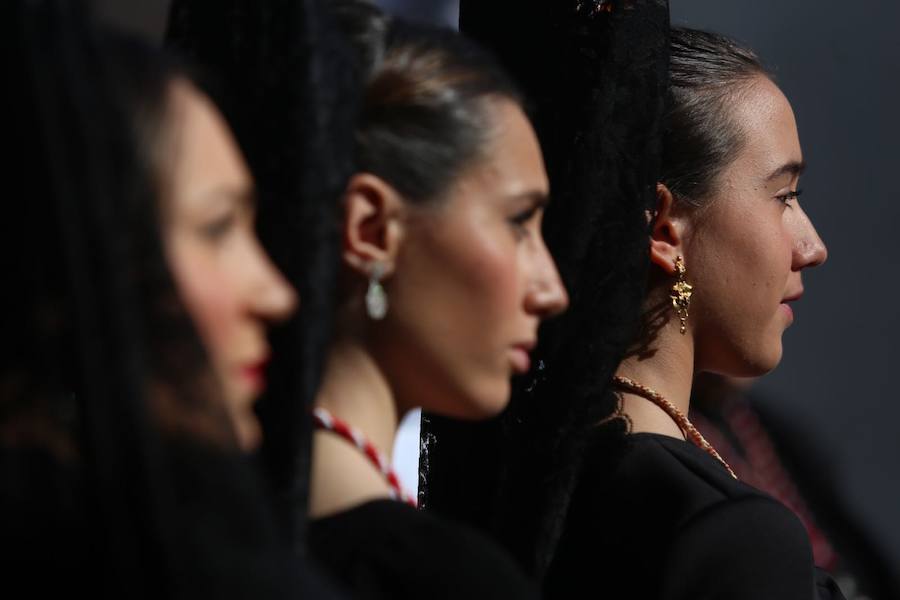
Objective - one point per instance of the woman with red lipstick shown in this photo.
(445, 281)
(142, 295)
(284, 78)
(728, 241)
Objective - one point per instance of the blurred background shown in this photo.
(835, 395)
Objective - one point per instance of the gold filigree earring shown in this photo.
(681, 293)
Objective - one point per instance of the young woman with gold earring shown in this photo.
(728, 241)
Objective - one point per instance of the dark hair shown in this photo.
(425, 113)
(187, 398)
(707, 71)
(93, 490)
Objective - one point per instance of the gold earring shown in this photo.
(681, 293)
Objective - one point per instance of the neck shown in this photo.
(669, 370)
(354, 390)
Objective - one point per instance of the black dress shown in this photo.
(387, 549)
(665, 520)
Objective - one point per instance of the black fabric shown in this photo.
(234, 548)
(286, 81)
(44, 523)
(387, 549)
(665, 520)
(596, 80)
(228, 544)
(74, 371)
(100, 496)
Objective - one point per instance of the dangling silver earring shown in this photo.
(376, 297)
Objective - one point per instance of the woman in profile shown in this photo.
(646, 515)
(137, 334)
(728, 242)
(445, 278)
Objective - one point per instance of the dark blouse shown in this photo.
(54, 546)
(665, 520)
(387, 549)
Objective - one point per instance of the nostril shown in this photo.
(555, 301)
(823, 253)
(810, 253)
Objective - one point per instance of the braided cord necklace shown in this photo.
(686, 427)
(325, 421)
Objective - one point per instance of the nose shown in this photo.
(271, 297)
(546, 295)
(808, 250)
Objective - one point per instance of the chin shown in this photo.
(487, 402)
(746, 362)
(763, 361)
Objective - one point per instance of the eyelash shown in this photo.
(785, 198)
(520, 220)
(218, 228)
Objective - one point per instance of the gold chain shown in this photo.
(687, 428)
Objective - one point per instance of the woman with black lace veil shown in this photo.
(444, 280)
(661, 517)
(654, 509)
(284, 77)
(136, 332)
(596, 80)
(728, 241)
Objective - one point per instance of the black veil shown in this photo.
(596, 72)
(287, 83)
(119, 472)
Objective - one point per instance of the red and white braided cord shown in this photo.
(324, 420)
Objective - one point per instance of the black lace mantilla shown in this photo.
(596, 73)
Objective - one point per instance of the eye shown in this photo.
(218, 228)
(786, 198)
(521, 220)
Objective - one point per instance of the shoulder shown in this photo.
(679, 516)
(755, 547)
(656, 468)
(399, 551)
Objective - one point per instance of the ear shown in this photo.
(666, 231)
(372, 228)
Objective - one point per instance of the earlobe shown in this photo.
(665, 231)
(372, 224)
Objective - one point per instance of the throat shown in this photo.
(669, 373)
(356, 393)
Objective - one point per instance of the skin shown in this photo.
(469, 280)
(744, 252)
(228, 284)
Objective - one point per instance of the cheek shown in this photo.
(203, 287)
(745, 259)
(454, 306)
(481, 279)
(744, 266)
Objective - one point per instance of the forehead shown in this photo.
(512, 162)
(764, 115)
(205, 157)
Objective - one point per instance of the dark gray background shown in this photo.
(839, 63)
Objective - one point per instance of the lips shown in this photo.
(520, 357)
(792, 297)
(254, 374)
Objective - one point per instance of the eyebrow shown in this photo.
(539, 199)
(793, 167)
(245, 196)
